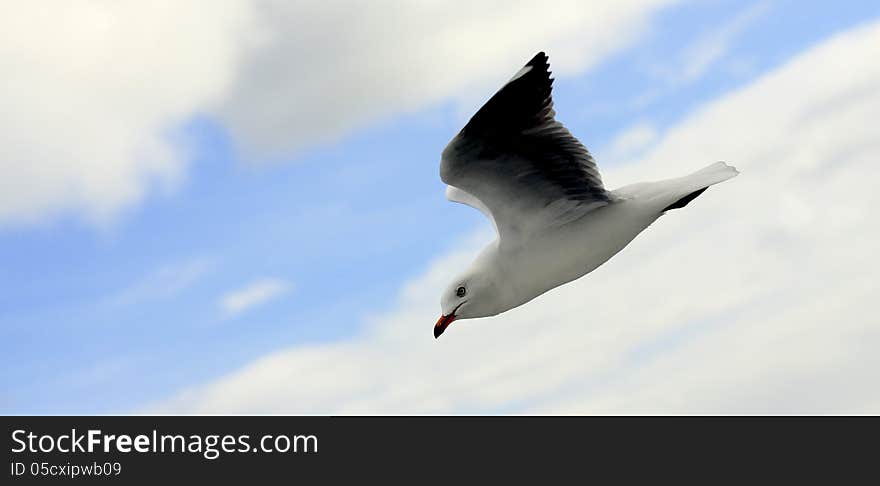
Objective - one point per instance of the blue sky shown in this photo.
(113, 311)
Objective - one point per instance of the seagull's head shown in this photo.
(467, 297)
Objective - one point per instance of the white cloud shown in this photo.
(91, 90)
(757, 297)
(256, 293)
(323, 70)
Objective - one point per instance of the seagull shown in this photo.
(539, 186)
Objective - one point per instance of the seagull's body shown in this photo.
(541, 189)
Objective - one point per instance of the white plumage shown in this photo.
(543, 193)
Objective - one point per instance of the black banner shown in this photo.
(150, 449)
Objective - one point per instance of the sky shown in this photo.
(238, 210)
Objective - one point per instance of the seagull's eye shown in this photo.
(461, 291)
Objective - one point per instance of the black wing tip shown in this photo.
(519, 101)
(541, 67)
(540, 62)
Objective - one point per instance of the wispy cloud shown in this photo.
(162, 283)
(758, 297)
(255, 294)
(700, 55)
(630, 143)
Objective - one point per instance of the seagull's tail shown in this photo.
(685, 189)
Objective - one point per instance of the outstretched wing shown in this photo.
(455, 194)
(521, 164)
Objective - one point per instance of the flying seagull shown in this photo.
(540, 187)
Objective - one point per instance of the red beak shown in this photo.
(442, 324)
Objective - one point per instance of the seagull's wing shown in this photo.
(455, 194)
(520, 164)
